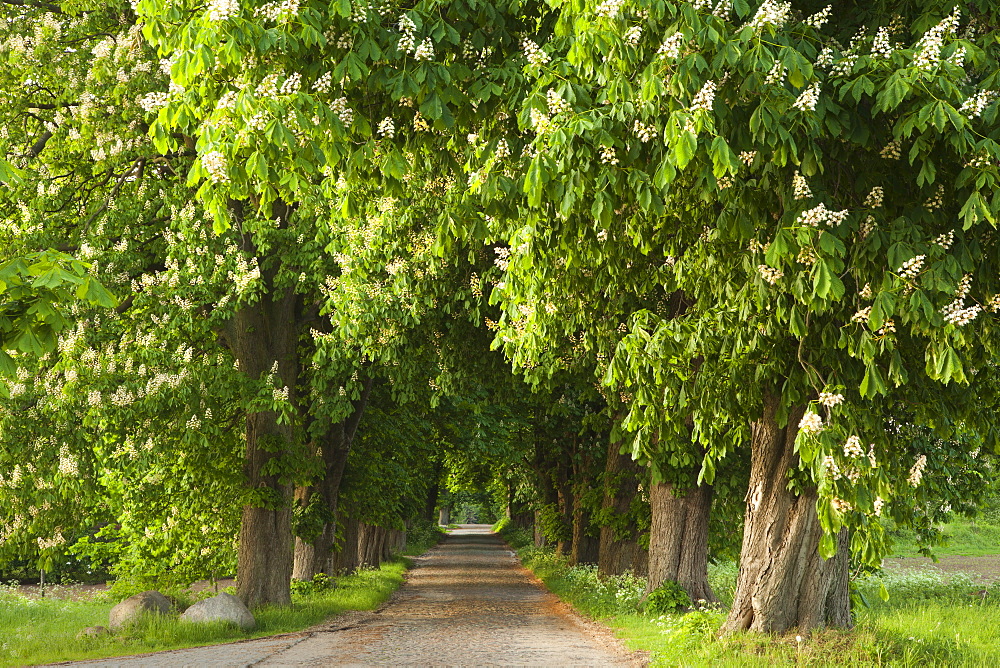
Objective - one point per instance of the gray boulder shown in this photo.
(221, 608)
(134, 607)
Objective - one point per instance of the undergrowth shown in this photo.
(931, 619)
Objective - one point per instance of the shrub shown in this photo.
(668, 597)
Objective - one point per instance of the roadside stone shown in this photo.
(222, 607)
(92, 632)
(129, 610)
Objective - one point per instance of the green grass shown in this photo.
(928, 621)
(963, 539)
(34, 631)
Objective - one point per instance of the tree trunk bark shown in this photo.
(619, 548)
(345, 558)
(444, 516)
(312, 557)
(783, 583)
(371, 545)
(565, 503)
(263, 333)
(678, 540)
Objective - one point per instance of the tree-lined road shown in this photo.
(467, 602)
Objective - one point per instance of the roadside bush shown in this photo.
(668, 597)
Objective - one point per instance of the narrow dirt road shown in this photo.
(467, 602)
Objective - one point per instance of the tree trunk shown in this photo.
(345, 557)
(586, 548)
(678, 539)
(444, 516)
(783, 583)
(565, 503)
(619, 548)
(539, 535)
(312, 557)
(262, 334)
(371, 545)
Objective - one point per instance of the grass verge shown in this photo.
(34, 631)
(929, 620)
(961, 539)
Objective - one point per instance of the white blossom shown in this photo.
(705, 97)
(808, 98)
(811, 423)
(222, 10)
(214, 163)
(917, 470)
(911, 267)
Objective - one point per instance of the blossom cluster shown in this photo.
(911, 267)
(556, 103)
(671, 47)
(608, 155)
(771, 12)
(819, 214)
(819, 19)
(633, 35)
(976, 104)
(808, 98)
(705, 97)
(800, 187)
(222, 10)
(881, 46)
(386, 128)
(852, 448)
(811, 423)
(770, 274)
(875, 198)
(830, 399)
(343, 112)
(917, 471)
(214, 163)
(278, 11)
(945, 240)
(609, 9)
(644, 132)
(153, 102)
(534, 53)
(407, 40)
(928, 49)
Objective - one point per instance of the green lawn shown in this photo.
(963, 539)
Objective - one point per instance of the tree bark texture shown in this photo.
(371, 545)
(783, 583)
(678, 539)
(619, 548)
(312, 557)
(262, 334)
(586, 548)
(344, 558)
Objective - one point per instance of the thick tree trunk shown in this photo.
(783, 583)
(263, 334)
(678, 539)
(344, 559)
(371, 545)
(312, 557)
(444, 516)
(619, 548)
